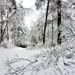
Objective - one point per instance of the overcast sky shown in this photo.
(27, 3)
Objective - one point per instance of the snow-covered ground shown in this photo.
(13, 52)
(59, 60)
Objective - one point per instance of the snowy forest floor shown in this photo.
(59, 60)
(12, 53)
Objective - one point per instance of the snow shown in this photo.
(11, 53)
(58, 60)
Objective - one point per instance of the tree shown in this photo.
(18, 28)
(59, 21)
(45, 25)
(63, 11)
(12, 21)
(7, 7)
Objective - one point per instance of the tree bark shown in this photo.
(7, 28)
(59, 21)
(1, 36)
(52, 30)
(45, 25)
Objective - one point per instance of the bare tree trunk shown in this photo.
(7, 28)
(45, 25)
(52, 30)
(1, 37)
(59, 21)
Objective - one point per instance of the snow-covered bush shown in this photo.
(4, 44)
(7, 44)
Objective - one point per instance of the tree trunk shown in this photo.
(1, 36)
(7, 28)
(59, 21)
(52, 30)
(45, 25)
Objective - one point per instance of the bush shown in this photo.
(4, 44)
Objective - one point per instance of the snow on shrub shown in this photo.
(7, 44)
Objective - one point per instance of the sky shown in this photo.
(27, 3)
